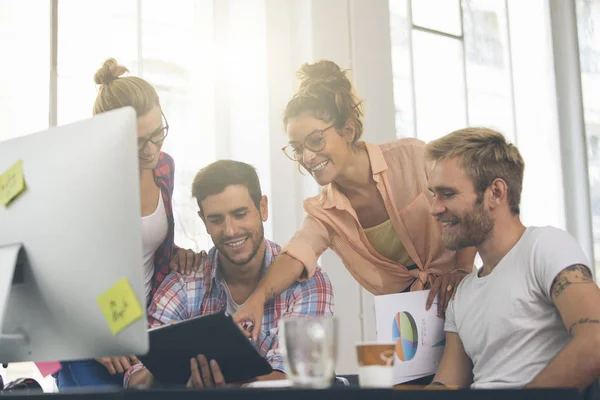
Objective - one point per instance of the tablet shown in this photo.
(214, 335)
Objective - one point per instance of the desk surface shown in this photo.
(296, 394)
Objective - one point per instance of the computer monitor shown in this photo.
(79, 222)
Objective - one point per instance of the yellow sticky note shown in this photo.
(12, 183)
(120, 306)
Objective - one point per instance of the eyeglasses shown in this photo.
(156, 137)
(314, 142)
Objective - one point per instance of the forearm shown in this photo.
(455, 369)
(282, 273)
(576, 365)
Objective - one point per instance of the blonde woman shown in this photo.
(156, 188)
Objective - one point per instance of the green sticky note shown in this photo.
(12, 183)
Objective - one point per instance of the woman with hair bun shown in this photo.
(373, 210)
(157, 171)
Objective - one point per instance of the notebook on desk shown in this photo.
(215, 336)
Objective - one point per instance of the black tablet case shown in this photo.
(216, 336)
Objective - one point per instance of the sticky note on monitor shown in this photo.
(120, 306)
(12, 183)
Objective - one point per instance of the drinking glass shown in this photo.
(309, 350)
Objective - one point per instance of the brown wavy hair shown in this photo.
(327, 94)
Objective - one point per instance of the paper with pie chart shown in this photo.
(418, 334)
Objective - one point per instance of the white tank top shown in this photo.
(154, 231)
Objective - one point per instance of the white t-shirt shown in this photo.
(232, 306)
(154, 231)
(506, 320)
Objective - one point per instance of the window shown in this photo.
(402, 68)
(24, 82)
(460, 66)
(487, 62)
(588, 23)
(440, 97)
(203, 57)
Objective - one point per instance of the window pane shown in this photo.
(400, 37)
(88, 34)
(25, 82)
(588, 21)
(487, 63)
(246, 60)
(439, 85)
(184, 78)
(439, 15)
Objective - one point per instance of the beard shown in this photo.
(256, 238)
(473, 229)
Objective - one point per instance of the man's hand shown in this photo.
(249, 316)
(205, 374)
(186, 261)
(118, 365)
(446, 286)
(142, 378)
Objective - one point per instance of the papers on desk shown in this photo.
(419, 334)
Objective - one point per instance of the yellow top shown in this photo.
(385, 241)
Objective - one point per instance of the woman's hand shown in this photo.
(249, 316)
(186, 261)
(118, 365)
(445, 286)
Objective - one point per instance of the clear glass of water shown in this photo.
(309, 349)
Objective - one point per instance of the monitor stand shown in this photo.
(13, 262)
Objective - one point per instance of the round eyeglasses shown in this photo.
(314, 142)
(156, 137)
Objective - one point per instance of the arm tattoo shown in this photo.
(573, 275)
(582, 321)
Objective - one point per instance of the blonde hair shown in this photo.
(116, 91)
(326, 93)
(486, 155)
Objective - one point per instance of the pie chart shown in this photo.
(406, 336)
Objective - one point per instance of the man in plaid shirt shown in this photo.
(233, 210)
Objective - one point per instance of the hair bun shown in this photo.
(323, 72)
(109, 71)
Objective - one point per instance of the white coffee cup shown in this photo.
(376, 364)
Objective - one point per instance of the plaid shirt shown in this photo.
(164, 175)
(182, 297)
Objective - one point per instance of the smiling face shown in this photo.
(234, 223)
(324, 165)
(464, 216)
